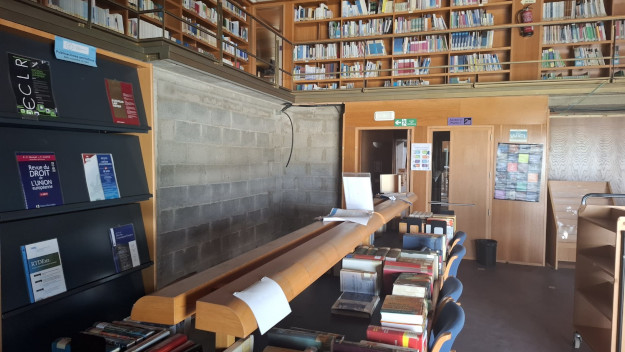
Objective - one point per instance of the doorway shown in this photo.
(385, 152)
(461, 178)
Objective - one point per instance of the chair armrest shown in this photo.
(446, 336)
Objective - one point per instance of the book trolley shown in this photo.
(83, 124)
(598, 299)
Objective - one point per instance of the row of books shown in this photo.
(407, 83)
(234, 9)
(619, 29)
(370, 69)
(472, 40)
(312, 13)
(588, 57)
(229, 47)
(103, 17)
(557, 76)
(469, 2)
(315, 73)
(201, 9)
(201, 33)
(551, 58)
(574, 33)
(141, 29)
(147, 5)
(235, 28)
(412, 66)
(376, 26)
(76, 8)
(360, 49)
(419, 24)
(474, 63)
(315, 52)
(412, 5)
(415, 45)
(570, 9)
(362, 7)
(471, 18)
(127, 335)
(317, 86)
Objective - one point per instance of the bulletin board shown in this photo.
(518, 169)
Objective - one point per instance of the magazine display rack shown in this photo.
(78, 123)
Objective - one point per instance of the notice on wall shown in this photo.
(32, 86)
(421, 157)
(517, 173)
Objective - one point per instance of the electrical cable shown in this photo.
(286, 106)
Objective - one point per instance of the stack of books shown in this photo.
(404, 312)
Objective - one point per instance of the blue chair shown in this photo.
(452, 288)
(448, 324)
(458, 238)
(453, 262)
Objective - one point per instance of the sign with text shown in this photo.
(405, 122)
(459, 121)
(421, 157)
(518, 136)
(69, 50)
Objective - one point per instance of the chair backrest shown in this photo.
(453, 262)
(448, 324)
(452, 288)
(459, 238)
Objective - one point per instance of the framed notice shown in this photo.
(517, 172)
(122, 102)
(421, 157)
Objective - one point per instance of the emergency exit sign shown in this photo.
(405, 122)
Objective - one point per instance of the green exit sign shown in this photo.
(405, 122)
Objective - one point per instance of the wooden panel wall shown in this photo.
(519, 227)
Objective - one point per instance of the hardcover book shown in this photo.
(124, 245)
(403, 309)
(40, 179)
(122, 102)
(44, 270)
(300, 339)
(359, 281)
(398, 337)
(413, 284)
(100, 176)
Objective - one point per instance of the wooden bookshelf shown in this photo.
(597, 303)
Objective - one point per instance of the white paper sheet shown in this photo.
(267, 301)
(358, 193)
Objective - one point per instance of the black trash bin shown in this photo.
(486, 251)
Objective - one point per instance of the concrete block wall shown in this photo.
(222, 185)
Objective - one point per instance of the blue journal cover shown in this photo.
(124, 244)
(40, 179)
(100, 176)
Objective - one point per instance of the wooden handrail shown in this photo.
(294, 271)
(176, 302)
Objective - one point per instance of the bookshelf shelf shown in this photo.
(600, 297)
(602, 257)
(588, 43)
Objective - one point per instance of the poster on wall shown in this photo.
(517, 174)
(421, 157)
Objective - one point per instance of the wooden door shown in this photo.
(470, 185)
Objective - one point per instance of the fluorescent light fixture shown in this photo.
(384, 116)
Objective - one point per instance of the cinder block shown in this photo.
(172, 197)
(173, 241)
(170, 153)
(185, 217)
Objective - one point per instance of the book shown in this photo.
(32, 86)
(299, 339)
(368, 346)
(359, 281)
(40, 179)
(403, 309)
(160, 335)
(188, 346)
(44, 270)
(121, 341)
(413, 284)
(62, 344)
(131, 331)
(355, 304)
(122, 102)
(396, 337)
(124, 246)
(417, 328)
(169, 343)
(391, 347)
(392, 270)
(242, 345)
(100, 176)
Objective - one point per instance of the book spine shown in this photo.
(395, 337)
(29, 285)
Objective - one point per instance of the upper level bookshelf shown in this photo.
(379, 43)
(202, 26)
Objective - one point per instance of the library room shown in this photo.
(312, 175)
